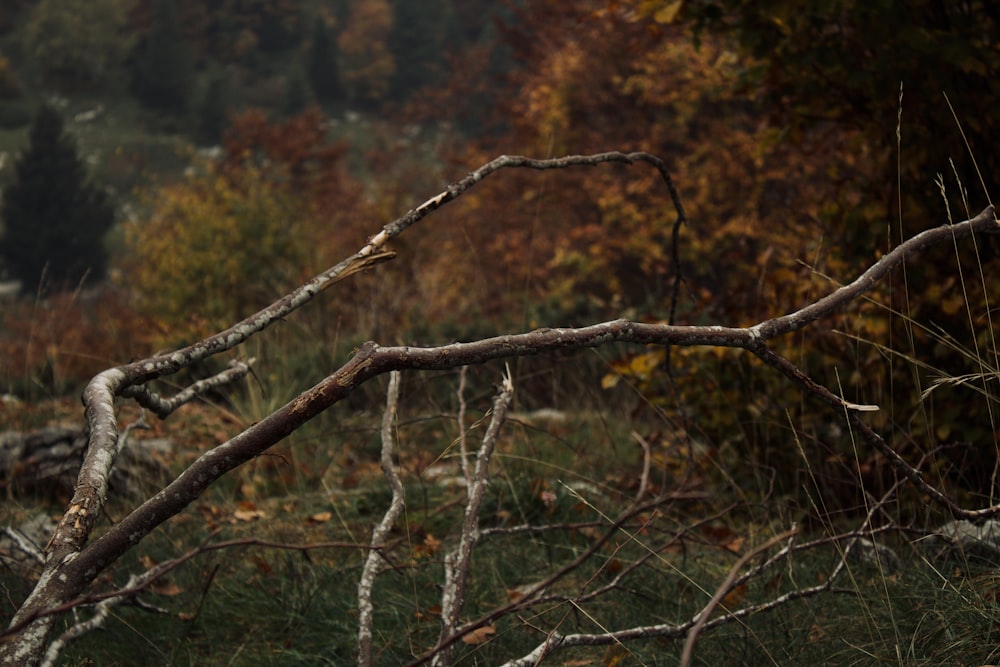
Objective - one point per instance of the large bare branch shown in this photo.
(90, 493)
(72, 563)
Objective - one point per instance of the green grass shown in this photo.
(264, 606)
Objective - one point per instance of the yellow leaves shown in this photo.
(638, 367)
(669, 12)
(551, 102)
(664, 12)
(215, 248)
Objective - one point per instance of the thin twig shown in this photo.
(724, 588)
(646, 464)
(456, 562)
(381, 531)
(462, 439)
(163, 407)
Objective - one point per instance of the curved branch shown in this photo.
(372, 360)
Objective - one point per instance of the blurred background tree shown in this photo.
(322, 64)
(75, 44)
(367, 60)
(163, 64)
(54, 219)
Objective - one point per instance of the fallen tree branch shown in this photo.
(73, 560)
(724, 588)
(163, 407)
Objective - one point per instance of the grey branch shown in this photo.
(396, 506)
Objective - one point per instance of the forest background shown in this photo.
(248, 145)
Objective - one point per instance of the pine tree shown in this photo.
(297, 94)
(54, 221)
(163, 74)
(322, 67)
(212, 112)
(418, 41)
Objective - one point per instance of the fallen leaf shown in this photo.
(429, 546)
(613, 567)
(718, 534)
(167, 588)
(479, 635)
(433, 610)
(248, 515)
(736, 545)
(262, 565)
(321, 517)
(735, 596)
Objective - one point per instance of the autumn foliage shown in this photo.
(784, 201)
(790, 186)
(274, 210)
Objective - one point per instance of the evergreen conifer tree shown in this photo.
(212, 110)
(418, 42)
(163, 74)
(297, 94)
(54, 220)
(322, 67)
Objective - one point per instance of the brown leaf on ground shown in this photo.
(248, 514)
(479, 635)
(167, 588)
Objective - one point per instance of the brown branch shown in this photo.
(371, 360)
(724, 588)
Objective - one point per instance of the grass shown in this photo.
(256, 605)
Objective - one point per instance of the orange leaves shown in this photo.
(295, 148)
(430, 546)
(61, 342)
